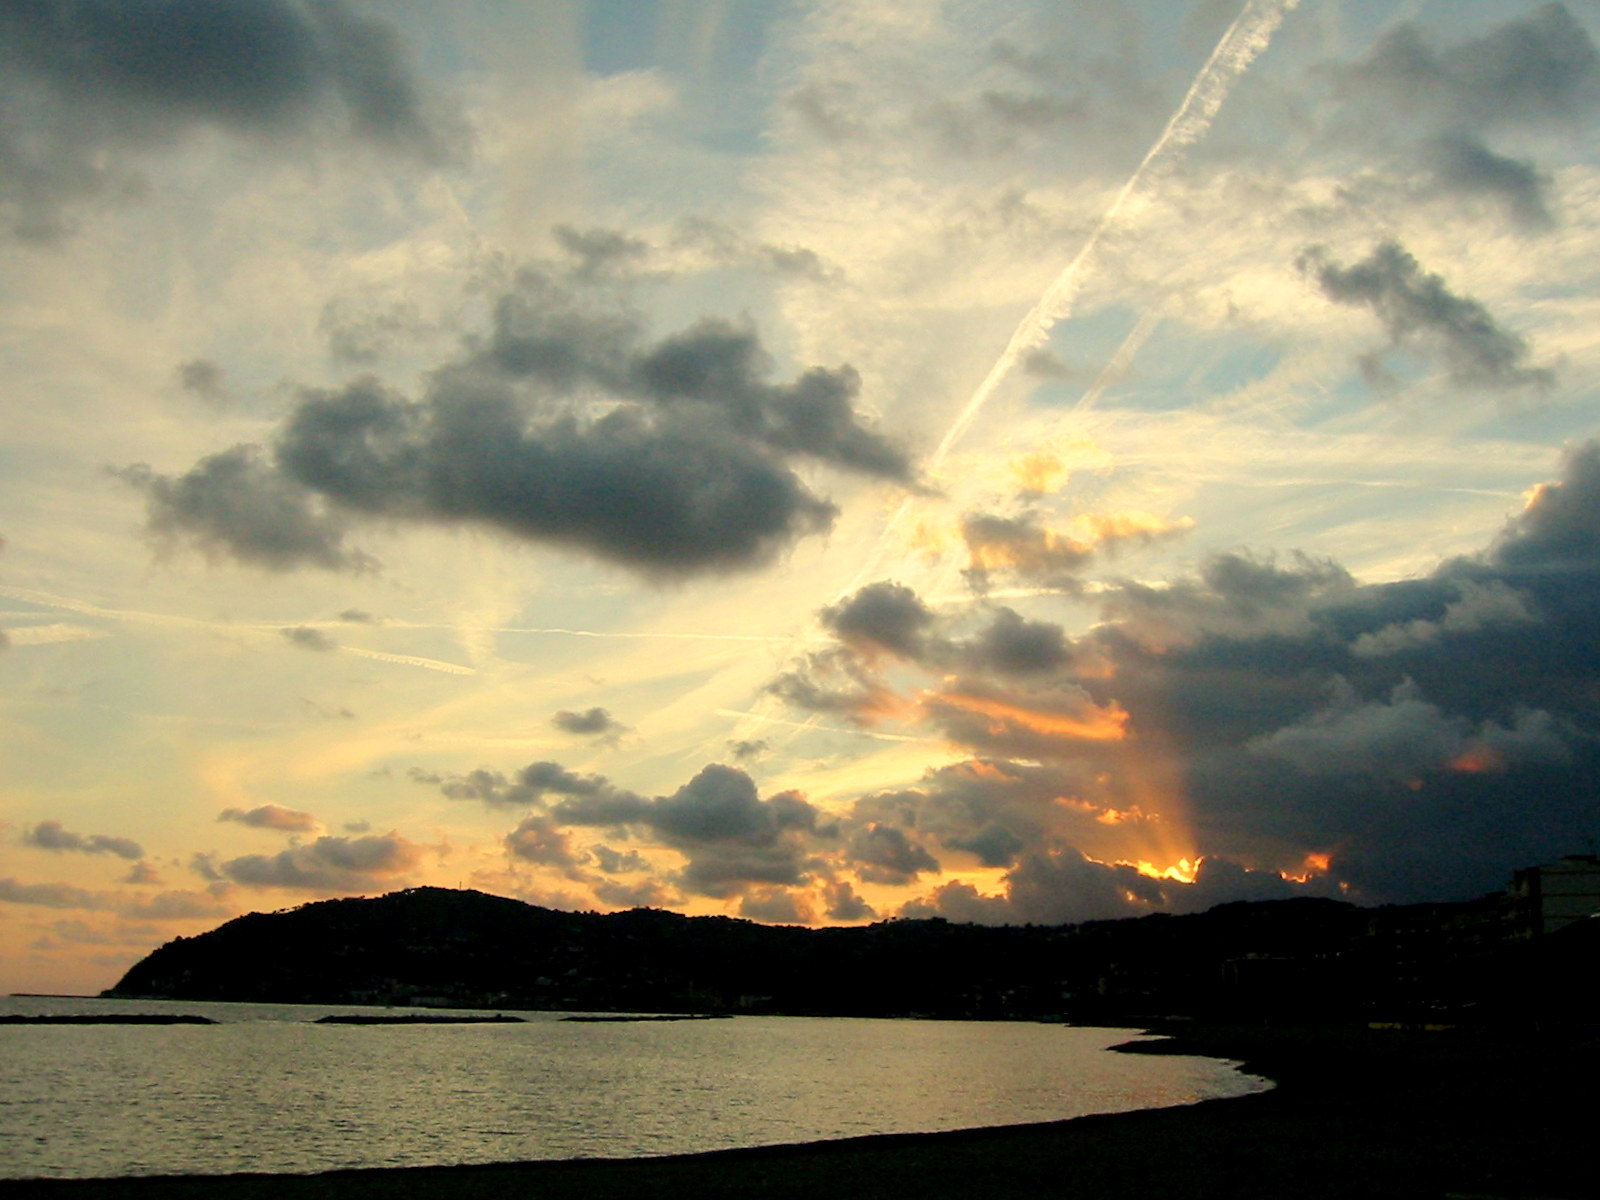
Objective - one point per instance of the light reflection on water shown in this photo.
(267, 1090)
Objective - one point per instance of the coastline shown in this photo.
(1354, 1112)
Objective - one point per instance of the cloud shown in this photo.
(728, 836)
(593, 723)
(329, 864)
(690, 467)
(618, 862)
(777, 906)
(884, 854)
(646, 893)
(843, 904)
(1531, 71)
(308, 638)
(235, 503)
(745, 749)
(176, 906)
(530, 786)
(142, 874)
(1036, 553)
(203, 378)
(49, 835)
(1388, 742)
(1464, 166)
(92, 87)
(47, 895)
(881, 616)
(162, 906)
(537, 840)
(600, 251)
(271, 816)
(1417, 308)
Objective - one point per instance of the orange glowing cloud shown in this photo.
(1478, 760)
(1087, 722)
(928, 540)
(1039, 473)
(1132, 525)
(1314, 864)
(1026, 545)
(1183, 871)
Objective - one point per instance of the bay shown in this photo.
(267, 1089)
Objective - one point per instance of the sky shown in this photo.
(803, 460)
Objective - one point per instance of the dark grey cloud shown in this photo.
(271, 816)
(1559, 529)
(307, 638)
(142, 874)
(618, 862)
(1063, 886)
(1465, 166)
(601, 251)
(1431, 111)
(730, 836)
(358, 616)
(236, 503)
(724, 366)
(176, 906)
(745, 749)
(688, 467)
(727, 246)
(1417, 309)
(843, 904)
(361, 327)
(992, 809)
(887, 619)
(1533, 70)
(88, 88)
(1012, 645)
(203, 378)
(50, 835)
(591, 723)
(645, 893)
(530, 786)
(537, 840)
(329, 864)
(774, 906)
(47, 895)
(881, 616)
(884, 854)
(1406, 741)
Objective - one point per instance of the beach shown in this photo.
(1372, 1113)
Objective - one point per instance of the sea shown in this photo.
(268, 1089)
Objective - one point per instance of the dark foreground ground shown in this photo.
(1356, 1114)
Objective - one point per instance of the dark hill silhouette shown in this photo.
(468, 949)
(1279, 960)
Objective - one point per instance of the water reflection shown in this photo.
(267, 1090)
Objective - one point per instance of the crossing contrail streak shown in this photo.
(1120, 362)
(1250, 34)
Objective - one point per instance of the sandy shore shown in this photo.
(1356, 1114)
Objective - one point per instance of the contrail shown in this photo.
(1249, 35)
(1120, 362)
(409, 660)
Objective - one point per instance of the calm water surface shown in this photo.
(267, 1090)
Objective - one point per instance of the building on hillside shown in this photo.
(1546, 898)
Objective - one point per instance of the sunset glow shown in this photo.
(804, 462)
